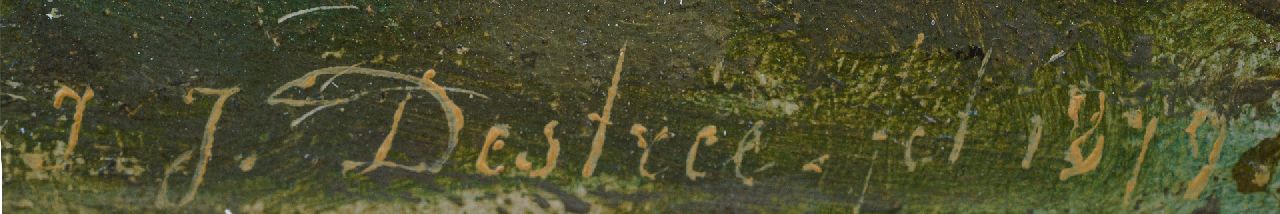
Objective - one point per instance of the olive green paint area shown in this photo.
(838, 89)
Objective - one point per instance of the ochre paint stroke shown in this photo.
(1197, 118)
(348, 165)
(1133, 118)
(638, 130)
(1073, 107)
(1142, 154)
(743, 146)
(706, 135)
(1197, 184)
(453, 114)
(813, 165)
(552, 153)
(209, 128)
(919, 40)
(247, 163)
(491, 141)
(879, 135)
(1034, 134)
(522, 158)
(597, 143)
(964, 116)
(381, 155)
(911, 163)
(1079, 163)
(1262, 177)
(162, 198)
(522, 161)
(82, 101)
(1088, 164)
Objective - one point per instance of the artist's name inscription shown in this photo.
(492, 142)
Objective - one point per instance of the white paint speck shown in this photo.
(53, 13)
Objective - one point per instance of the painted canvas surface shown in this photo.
(668, 106)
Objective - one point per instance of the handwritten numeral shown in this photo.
(81, 101)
